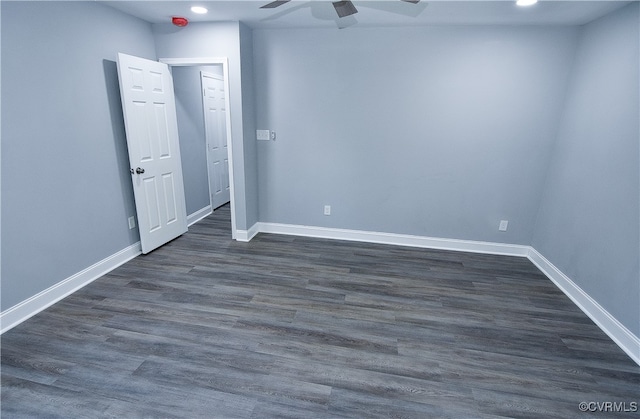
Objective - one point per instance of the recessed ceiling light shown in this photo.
(199, 10)
(526, 2)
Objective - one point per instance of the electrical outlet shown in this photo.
(132, 223)
(503, 225)
(327, 210)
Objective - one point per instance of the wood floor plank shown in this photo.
(295, 327)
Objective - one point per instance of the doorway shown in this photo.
(200, 186)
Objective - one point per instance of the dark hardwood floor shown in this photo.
(308, 328)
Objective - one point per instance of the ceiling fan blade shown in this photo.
(402, 8)
(284, 11)
(412, 1)
(274, 4)
(344, 8)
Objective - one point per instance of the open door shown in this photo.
(215, 120)
(148, 102)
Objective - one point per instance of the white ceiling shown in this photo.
(376, 13)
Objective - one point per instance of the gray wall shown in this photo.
(193, 143)
(589, 221)
(438, 131)
(250, 154)
(222, 40)
(66, 189)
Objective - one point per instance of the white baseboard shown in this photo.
(622, 336)
(396, 239)
(247, 235)
(33, 305)
(199, 215)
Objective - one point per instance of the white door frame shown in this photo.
(198, 61)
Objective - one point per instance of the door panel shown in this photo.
(151, 197)
(146, 88)
(170, 199)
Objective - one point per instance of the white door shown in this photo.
(215, 118)
(148, 101)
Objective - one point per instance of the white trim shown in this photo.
(247, 235)
(199, 215)
(192, 61)
(622, 336)
(396, 239)
(242, 236)
(33, 305)
(196, 61)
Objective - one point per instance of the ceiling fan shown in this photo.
(343, 8)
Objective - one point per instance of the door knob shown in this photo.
(139, 170)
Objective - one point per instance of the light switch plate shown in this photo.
(263, 134)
